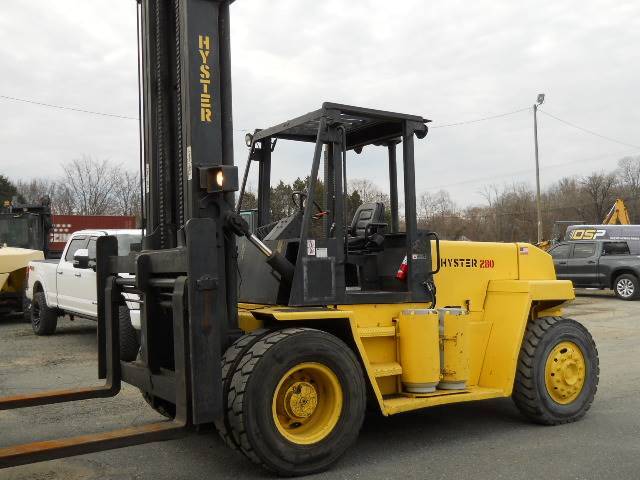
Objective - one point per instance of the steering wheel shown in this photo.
(298, 199)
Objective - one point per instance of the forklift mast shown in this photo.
(188, 125)
(185, 273)
(189, 186)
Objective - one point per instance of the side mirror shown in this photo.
(81, 258)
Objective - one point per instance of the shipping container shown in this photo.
(65, 225)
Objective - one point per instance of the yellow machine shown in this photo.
(24, 232)
(506, 294)
(13, 276)
(618, 215)
(372, 311)
(281, 335)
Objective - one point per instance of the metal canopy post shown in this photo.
(264, 182)
(393, 186)
(330, 199)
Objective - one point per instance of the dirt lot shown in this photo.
(484, 440)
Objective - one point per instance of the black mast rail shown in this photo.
(185, 268)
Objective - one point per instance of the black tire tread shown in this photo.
(238, 388)
(48, 316)
(129, 344)
(524, 392)
(230, 361)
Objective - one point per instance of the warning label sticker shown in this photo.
(311, 247)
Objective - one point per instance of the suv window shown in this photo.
(615, 248)
(561, 251)
(74, 246)
(584, 250)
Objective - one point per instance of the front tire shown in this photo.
(44, 319)
(558, 370)
(626, 287)
(297, 401)
(230, 362)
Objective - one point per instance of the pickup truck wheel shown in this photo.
(626, 287)
(129, 342)
(557, 374)
(44, 319)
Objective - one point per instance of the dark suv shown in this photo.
(600, 264)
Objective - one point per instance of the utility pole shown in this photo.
(539, 102)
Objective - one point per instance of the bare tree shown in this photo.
(63, 201)
(33, 191)
(368, 191)
(629, 173)
(598, 191)
(92, 184)
(629, 178)
(126, 193)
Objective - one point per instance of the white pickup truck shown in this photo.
(68, 286)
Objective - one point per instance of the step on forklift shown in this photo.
(281, 335)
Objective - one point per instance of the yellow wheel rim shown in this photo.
(565, 372)
(307, 403)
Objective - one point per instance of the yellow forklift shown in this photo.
(280, 336)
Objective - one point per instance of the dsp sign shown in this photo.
(586, 234)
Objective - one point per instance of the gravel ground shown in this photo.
(482, 440)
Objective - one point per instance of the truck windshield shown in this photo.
(17, 231)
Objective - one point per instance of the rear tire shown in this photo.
(626, 287)
(558, 368)
(297, 401)
(44, 319)
(129, 342)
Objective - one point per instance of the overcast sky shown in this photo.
(447, 61)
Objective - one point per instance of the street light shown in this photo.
(539, 101)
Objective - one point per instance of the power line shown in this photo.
(126, 117)
(63, 107)
(524, 171)
(491, 117)
(446, 125)
(82, 110)
(586, 130)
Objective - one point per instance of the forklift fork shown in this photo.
(52, 449)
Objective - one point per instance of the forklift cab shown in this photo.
(338, 259)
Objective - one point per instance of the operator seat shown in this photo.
(367, 226)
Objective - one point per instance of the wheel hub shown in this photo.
(301, 400)
(625, 287)
(307, 403)
(565, 372)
